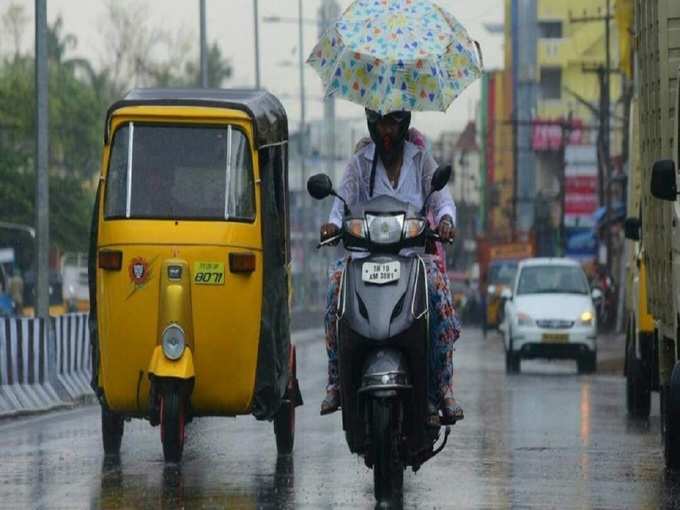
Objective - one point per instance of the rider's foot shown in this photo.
(432, 419)
(331, 403)
(451, 411)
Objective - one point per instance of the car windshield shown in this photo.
(502, 273)
(180, 172)
(552, 280)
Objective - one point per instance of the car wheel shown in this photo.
(512, 360)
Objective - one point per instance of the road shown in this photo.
(547, 438)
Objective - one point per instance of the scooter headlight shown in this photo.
(386, 229)
(173, 342)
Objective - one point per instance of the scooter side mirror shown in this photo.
(441, 177)
(320, 186)
(631, 228)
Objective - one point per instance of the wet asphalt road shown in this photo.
(547, 438)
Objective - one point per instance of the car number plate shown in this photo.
(555, 338)
(209, 273)
(379, 273)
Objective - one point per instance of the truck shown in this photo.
(497, 268)
(657, 28)
(640, 354)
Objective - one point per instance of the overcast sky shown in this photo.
(230, 23)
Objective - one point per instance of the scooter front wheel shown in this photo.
(172, 427)
(388, 468)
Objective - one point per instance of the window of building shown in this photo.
(550, 29)
(551, 83)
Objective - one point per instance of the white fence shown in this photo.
(43, 365)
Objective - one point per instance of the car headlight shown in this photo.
(385, 229)
(173, 342)
(356, 228)
(413, 228)
(587, 318)
(523, 319)
(491, 289)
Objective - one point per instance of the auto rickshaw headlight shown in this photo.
(173, 342)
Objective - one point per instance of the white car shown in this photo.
(550, 314)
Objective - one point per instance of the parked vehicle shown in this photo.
(74, 276)
(189, 262)
(383, 336)
(658, 58)
(641, 354)
(550, 314)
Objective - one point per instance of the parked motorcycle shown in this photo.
(383, 337)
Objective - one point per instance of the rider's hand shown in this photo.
(329, 230)
(446, 230)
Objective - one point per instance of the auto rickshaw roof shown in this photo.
(269, 116)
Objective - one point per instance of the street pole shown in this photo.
(302, 152)
(256, 21)
(204, 49)
(607, 153)
(41, 180)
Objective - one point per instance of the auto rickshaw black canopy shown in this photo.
(269, 116)
(271, 137)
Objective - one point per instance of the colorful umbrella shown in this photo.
(392, 55)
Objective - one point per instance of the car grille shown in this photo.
(554, 324)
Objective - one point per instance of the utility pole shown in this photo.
(256, 20)
(604, 151)
(303, 152)
(204, 50)
(42, 205)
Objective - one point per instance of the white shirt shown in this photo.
(414, 184)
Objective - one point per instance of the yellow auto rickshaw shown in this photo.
(189, 264)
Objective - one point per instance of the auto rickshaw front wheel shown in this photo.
(113, 426)
(671, 432)
(172, 426)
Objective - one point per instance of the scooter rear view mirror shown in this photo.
(319, 186)
(441, 177)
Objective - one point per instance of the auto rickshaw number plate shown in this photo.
(208, 273)
(555, 338)
(379, 273)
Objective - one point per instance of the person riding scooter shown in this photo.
(393, 166)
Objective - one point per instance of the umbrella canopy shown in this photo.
(390, 55)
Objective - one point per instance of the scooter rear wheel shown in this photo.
(172, 427)
(388, 468)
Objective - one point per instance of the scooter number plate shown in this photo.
(380, 273)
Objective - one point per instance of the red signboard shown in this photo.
(548, 135)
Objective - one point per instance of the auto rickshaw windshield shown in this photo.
(180, 172)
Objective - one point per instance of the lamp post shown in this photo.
(203, 44)
(256, 22)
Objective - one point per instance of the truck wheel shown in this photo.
(172, 426)
(388, 468)
(587, 363)
(672, 417)
(638, 392)
(112, 431)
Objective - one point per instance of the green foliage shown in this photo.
(79, 95)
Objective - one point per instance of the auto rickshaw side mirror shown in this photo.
(663, 185)
(320, 186)
(441, 177)
(631, 228)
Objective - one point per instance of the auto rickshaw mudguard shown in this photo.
(160, 366)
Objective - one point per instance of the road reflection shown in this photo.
(177, 486)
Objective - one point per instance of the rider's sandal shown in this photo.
(451, 411)
(331, 403)
(432, 419)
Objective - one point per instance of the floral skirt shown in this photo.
(444, 329)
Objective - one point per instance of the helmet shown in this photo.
(388, 150)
